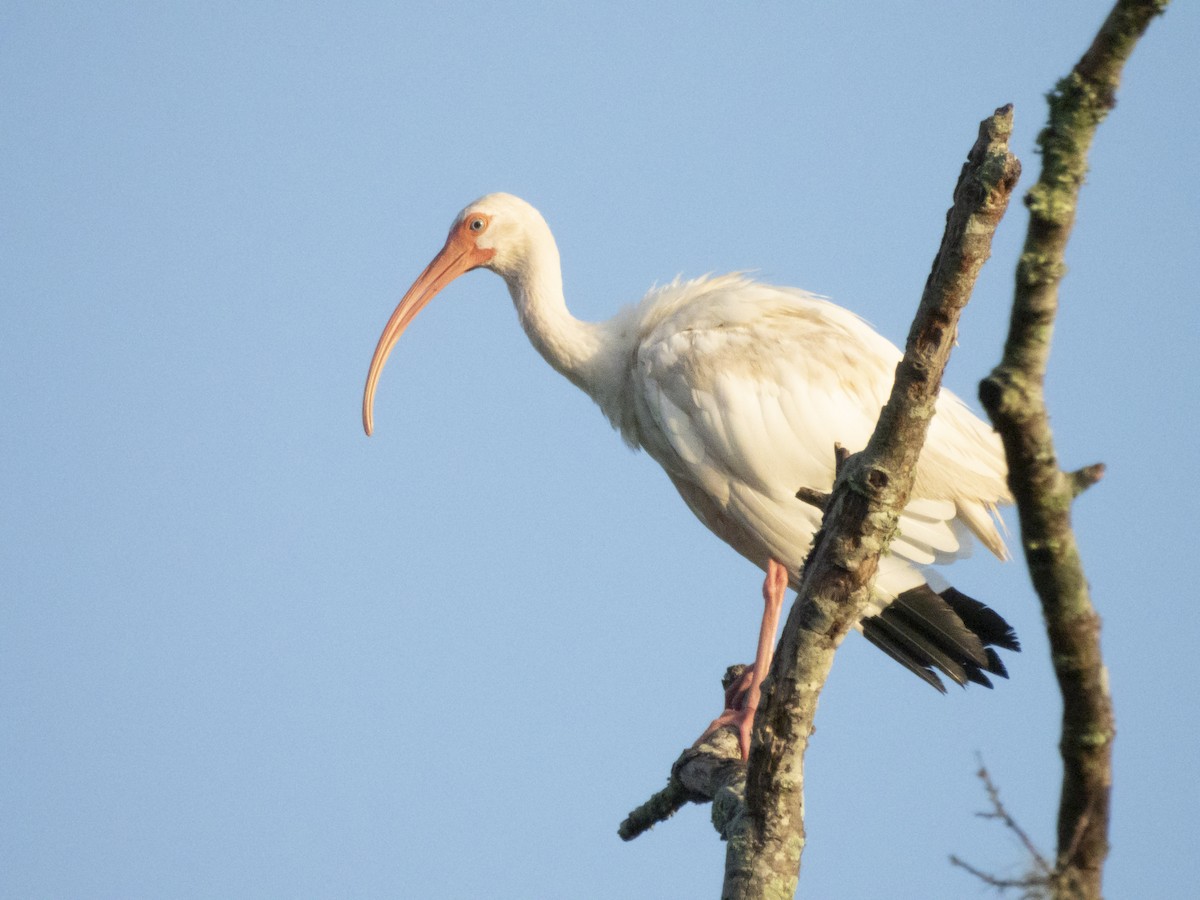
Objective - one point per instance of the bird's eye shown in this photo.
(477, 224)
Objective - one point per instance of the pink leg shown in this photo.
(742, 697)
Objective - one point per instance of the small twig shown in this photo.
(999, 812)
(820, 499)
(840, 455)
(1082, 479)
(1035, 883)
(813, 497)
(1002, 884)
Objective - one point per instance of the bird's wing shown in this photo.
(741, 395)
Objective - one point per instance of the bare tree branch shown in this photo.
(765, 844)
(759, 809)
(1013, 397)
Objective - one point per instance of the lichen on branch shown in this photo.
(1014, 398)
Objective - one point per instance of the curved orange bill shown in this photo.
(459, 255)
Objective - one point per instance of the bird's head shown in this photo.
(495, 232)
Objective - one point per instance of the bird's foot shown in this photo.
(741, 719)
(736, 712)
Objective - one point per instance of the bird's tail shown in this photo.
(927, 632)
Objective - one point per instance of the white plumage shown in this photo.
(740, 390)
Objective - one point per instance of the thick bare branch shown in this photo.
(765, 844)
(1013, 397)
(759, 811)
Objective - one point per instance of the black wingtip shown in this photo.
(977, 677)
(995, 664)
(877, 635)
(984, 621)
(950, 633)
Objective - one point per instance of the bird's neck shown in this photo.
(587, 353)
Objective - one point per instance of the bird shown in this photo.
(740, 391)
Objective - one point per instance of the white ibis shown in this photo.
(740, 390)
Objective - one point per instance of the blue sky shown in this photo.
(247, 652)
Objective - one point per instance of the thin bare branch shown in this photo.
(1028, 883)
(820, 499)
(813, 497)
(1038, 883)
(1013, 397)
(999, 812)
(840, 455)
